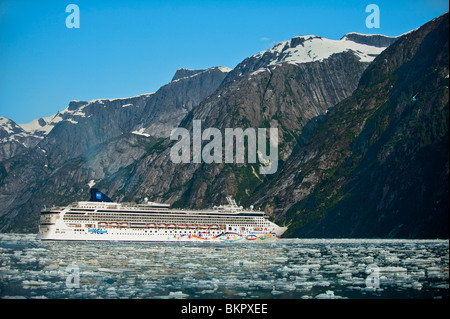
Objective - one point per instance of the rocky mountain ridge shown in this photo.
(122, 147)
(378, 163)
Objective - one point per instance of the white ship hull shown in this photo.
(100, 221)
(159, 235)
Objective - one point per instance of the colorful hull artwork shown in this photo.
(97, 231)
(226, 236)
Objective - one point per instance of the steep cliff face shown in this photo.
(154, 114)
(173, 101)
(88, 141)
(85, 124)
(377, 165)
(288, 87)
(14, 139)
(376, 40)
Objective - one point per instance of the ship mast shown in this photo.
(231, 201)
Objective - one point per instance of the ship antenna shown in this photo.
(231, 201)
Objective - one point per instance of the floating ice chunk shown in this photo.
(440, 286)
(307, 285)
(346, 274)
(417, 285)
(392, 269)
(245, 263)
(369, 289)
(33, 283)
(208, 291)
(328, 295)
(323, 283)
(177, 295)
(437, 272)
(285, 269)
(346, 263)
(367, 259)
(279, 259)
(113, 270)
(275, 292)
(36, 250)
(289, 287)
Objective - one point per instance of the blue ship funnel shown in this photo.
(97, 196)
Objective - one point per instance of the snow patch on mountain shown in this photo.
(7, 125)
(182, 73)
(44, 125)
(312, 48)
(141, 132)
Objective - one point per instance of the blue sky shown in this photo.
(126, 48)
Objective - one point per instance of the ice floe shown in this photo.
(289, 268)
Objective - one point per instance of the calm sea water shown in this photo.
(287, 269)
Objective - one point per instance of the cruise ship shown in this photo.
(101, 219)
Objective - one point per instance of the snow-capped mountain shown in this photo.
(8, 128)
(312, 48)
(14, 139)
(103, 139)
(173, 101)
(341, 113)
(148, 114)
